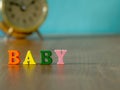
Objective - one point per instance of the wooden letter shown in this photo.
(29, 58)
(14, 57)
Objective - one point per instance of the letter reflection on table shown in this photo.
(13, 74)
(29, 69)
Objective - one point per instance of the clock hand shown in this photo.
(32, 2)
(22, 7)
(16, 4)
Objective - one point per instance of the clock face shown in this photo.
(24, 15)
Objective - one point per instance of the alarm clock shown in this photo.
(23, 17)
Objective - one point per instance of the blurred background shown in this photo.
(82, 17)
(91, 63)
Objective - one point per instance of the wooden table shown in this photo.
(91, 63)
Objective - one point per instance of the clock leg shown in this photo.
(39, 35)
(9, 33)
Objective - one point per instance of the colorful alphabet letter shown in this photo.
(14, 57)
(29, 58)
(46, 57)
(60, 54)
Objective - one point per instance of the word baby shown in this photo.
(14, 57)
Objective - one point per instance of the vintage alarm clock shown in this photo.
(22, 17)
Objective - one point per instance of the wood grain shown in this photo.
(91, 63)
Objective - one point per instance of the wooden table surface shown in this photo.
(91, 63)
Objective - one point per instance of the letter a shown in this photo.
(29, 58)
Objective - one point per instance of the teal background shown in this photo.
(82, 17)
